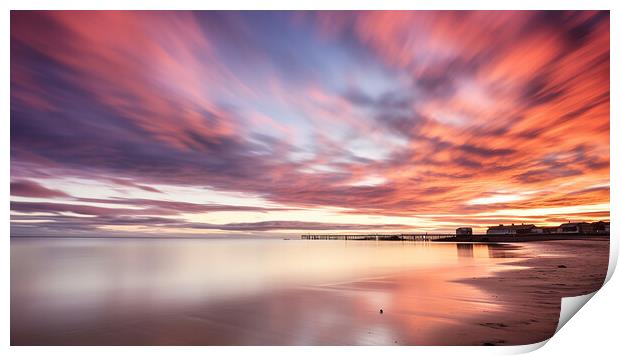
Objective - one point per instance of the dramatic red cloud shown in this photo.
(452, 117)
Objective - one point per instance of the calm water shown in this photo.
(243, 291)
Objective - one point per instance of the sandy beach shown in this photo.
(531, 296)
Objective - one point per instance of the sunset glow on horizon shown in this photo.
(140, 123)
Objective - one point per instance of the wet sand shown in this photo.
(532, 296)
(478, 302)
(416, 309)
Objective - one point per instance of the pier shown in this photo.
(379, 237)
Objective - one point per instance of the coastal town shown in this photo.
(498, 233)
(566, 228)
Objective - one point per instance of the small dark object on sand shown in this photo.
(380, 311)
(561, 266)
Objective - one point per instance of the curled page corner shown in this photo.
(570, 306)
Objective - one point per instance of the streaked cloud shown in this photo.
(27, 188)
(460, 114)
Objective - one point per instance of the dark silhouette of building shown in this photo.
(550, 230)
(513, 229)
(575, 228)
(464, 231)
(600, 226)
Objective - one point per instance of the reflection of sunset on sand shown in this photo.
(294, 293)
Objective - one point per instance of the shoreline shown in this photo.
(525, 238)
(532, 292)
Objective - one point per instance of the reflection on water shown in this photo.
(465, 250)
(242, 291)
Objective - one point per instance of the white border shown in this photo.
(592, 328)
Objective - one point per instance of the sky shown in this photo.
(207, 123)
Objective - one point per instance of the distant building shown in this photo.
(464, 231)
(513, 229)
(586, 228)
(550, 230)
(600, 226)
(569, 228)
(500, 230)
(575, 228)
(566, 228)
